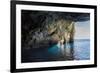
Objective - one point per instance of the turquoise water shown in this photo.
(81, 49)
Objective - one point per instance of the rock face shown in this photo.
(43, 29)
(40, 26)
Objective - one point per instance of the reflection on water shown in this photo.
(81, 50)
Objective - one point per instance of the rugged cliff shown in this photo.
(43, 29)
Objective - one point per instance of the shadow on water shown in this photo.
(52, 52)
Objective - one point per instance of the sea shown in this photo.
(82, 49)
